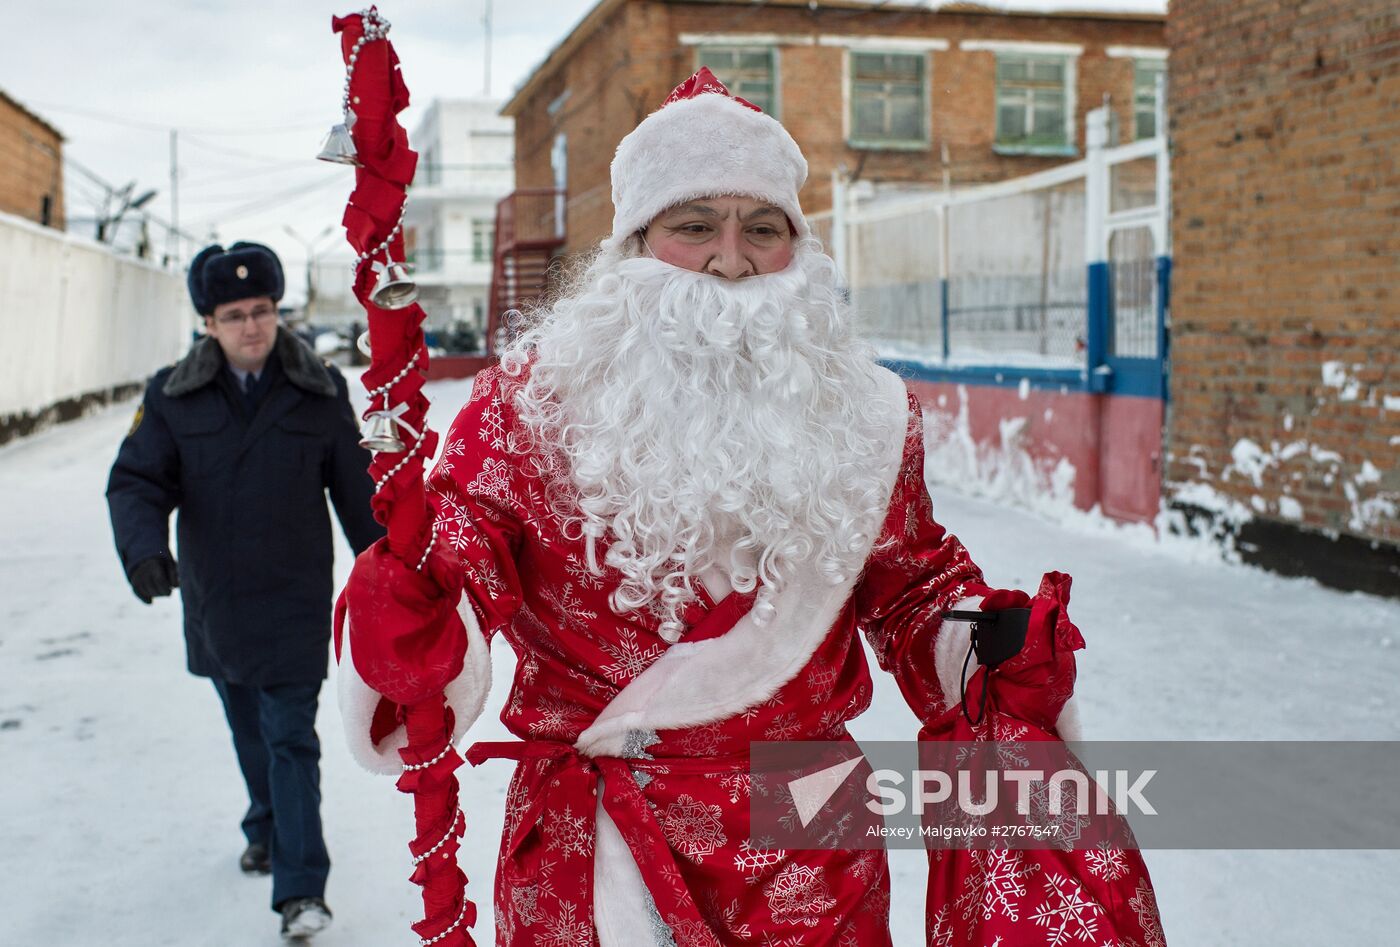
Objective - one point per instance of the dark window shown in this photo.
(888, 102)
(1146, 72)
(1033, 101)
(750, 72)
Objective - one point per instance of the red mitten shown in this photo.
(1034, 684)
(406, 638)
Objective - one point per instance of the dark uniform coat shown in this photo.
(249, 483)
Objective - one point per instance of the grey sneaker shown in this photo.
(303, 917)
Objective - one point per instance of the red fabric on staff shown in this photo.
(429, 728)
(401, 611)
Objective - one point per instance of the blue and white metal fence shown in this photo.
(1059, 277)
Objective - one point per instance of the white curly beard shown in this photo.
(708, 423)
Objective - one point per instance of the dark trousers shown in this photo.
(274, 735)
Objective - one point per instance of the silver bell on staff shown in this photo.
(380, 434)
(339, 147)
(394, 289)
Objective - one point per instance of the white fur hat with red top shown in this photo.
(704, 142)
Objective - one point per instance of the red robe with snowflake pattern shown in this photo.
(627, 816)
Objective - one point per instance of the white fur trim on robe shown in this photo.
(466, 695)
(701, 682)
(949, 650)
(694, 684)
(623, 913)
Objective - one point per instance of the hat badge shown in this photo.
(242, 272)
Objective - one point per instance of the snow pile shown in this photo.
(1005, 471)
(1007, 474)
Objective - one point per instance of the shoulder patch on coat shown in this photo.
(136, 421)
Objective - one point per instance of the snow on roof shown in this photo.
(1148, 7)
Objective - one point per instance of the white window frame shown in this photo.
(483, 226)
(848, 94)
(775, 68)
(1068, 53)
(1156, 95)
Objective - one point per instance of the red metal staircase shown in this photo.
(529, 228)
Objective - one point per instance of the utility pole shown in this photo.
(486, 20)
(310, 246)
(174, 242)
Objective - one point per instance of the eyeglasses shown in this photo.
(259, 314)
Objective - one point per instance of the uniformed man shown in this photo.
(244, 436)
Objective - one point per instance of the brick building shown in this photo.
(899, 96)
(1285, 316)
(31, 165)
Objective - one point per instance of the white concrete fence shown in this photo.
(78, 323)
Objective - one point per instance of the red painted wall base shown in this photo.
(1113, 442)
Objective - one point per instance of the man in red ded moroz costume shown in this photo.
(679, 497)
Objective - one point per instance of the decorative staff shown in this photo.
(417, 582)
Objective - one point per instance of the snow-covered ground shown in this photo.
(121, 798)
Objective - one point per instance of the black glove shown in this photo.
(154, 577)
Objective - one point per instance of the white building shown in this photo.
(465, 165)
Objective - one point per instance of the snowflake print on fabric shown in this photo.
(799, 894)
(493, 429)
(784, 727)
(569, 606)
(792, 940)
(453, 450)
(1065, 826)
(555, 717)
(940, 929)
(820, 678)
(566, 930)
(704, 740)
(578, 571)
(1106, 863)
(493, 482)
(693, 828)
(726, 917)
(1144, 905)
(567, 833)
(481, 387)
(525, 903)
(689, 933)
(455, 523)
(629, 658)
(995, 884)
(868, 865)
(1066, 913)
(755, 863)
(740, 785)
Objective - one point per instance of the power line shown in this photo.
(166, 126)
(296, 192)
(226, 151)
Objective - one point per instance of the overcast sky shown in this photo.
(253, 85)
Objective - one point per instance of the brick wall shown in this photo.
(628, 65)
(1285, 123)
(31, 166)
